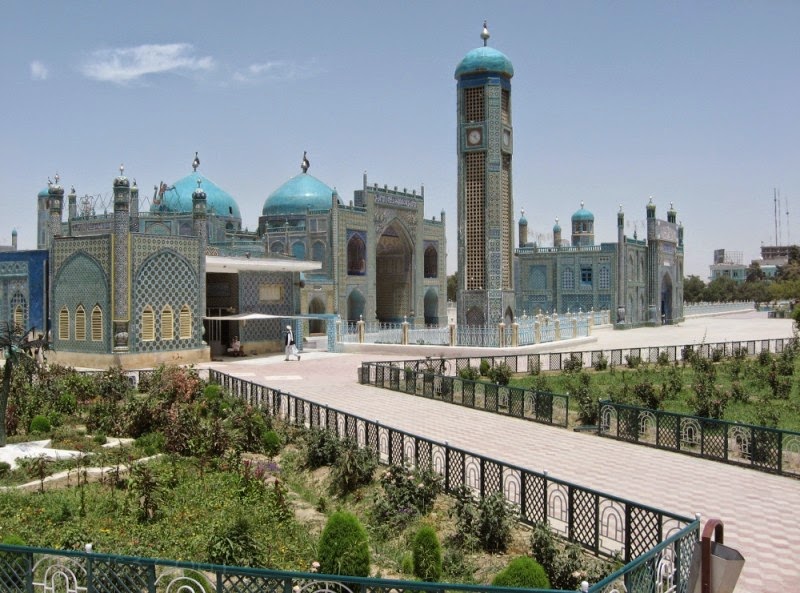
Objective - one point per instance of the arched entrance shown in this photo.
(508, 318)
(316, 326)
(393, 261)
(431, 307)
(666, 299)
(355, 305)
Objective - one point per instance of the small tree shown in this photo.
(427, 554)
(522, 571)
(343, 546)
(13, 343)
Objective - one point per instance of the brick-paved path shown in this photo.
(758, 509)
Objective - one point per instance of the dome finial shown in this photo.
(121, 170)
(581, 203)
(195, 162)
(57, 177)
(485, 34)
(305, 164)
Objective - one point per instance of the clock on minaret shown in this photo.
(474, 137)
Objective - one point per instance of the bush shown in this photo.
(5, 469)
(406, 494)
(343, 547)
(234, 544)
(524, 572)
(663, 359)
(39, 424)
(484, 368)
(633, 361)
(647, 394)
(573, 363)
(500, 374)
(354, 467)
(150, 443)
(271, 443)
(488, 522)
(469, 373)
(601, 363)
(322, 448)
(426, 552)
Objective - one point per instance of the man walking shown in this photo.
(290, 349)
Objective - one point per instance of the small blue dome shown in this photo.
(556, 227)
(178, 197)
(44, 193)
(583, 215)
(485, 60)
(301, 193)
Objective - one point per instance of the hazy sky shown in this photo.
(689, 102)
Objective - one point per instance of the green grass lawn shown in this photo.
(759, 390)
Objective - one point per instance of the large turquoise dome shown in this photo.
(485, 60)
(301, 193)
(178, 197)
(583, 215)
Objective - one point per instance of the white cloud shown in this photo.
(278, 70)
(38, 70)
(124, 65)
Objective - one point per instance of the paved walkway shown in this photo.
(758, 509)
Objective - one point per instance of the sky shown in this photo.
(693, 103)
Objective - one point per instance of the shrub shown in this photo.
(354, 467)
(601, 363)
(100, 438)
(469, 373)
(500, 374)
(343, 547)
(580, 388)
(150, 443)
(647, 394)
(488, 522)
(534, 366)
(39, 424)
(5, 469)
(484, 367)
(426, 552)
(234, 544)
(663, 359)
(271, 443)
(524, 572)
(573, 363)
(406, 494)
(633, 361)
(765, 358)
(322, 448)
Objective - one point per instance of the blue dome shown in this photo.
(301, 193)
(483, 60)
(583, 215)
(178, 197)
(556, 228)
(44, 193)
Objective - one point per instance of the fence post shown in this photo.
(537, 331)
(557, 328)
(575, 327)
(360, 326)
(591, 320)
(515, 334)
(404, 338)
(453, 334)
(501, 334)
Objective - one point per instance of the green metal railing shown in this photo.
(758, 447)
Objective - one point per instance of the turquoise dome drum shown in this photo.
(485, 60)
(178, 197)
(298, 195)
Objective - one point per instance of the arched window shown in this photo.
(299, 250)
(19, 316)
(19, 306)
(356, 256)
(148, 324)
(167, 323)
(63, 324)
(276, 247)
(97, 324)
(185, 323)
(431, 262)
(80, 323)
(318, 251)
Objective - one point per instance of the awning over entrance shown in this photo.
(232, 265)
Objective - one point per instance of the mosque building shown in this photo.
(641, 281)
(176, 282)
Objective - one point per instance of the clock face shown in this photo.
(474, 137)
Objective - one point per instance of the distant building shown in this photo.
(728, 264)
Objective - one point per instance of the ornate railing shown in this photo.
(758, 447)
(605, 524)
(519, 402)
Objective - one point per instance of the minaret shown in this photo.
(523, 229)
(621, 289)
(72, 211)
(43, 217)
(121, 238)
(485, 198)
(200, 224)
(56, 208)
(556, 234)
(653, 298)
(134, 208)
(14, 240)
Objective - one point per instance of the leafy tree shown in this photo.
(343, 546)
(719, 289)
(693, 288)
(452, 287)
(755, 273)
(13, 343)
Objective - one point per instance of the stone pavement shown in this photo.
(757, 508)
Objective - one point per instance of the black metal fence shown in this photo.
(519, 402)
(605, 524)
(758, 447)
(555, 361)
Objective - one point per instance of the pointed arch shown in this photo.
(394, 257)
(299, 250)
(148, 324)
(97, 323)
(167, 323)
(431, 262)
(431, 302)
(80, 324)
(355, 305)
(63, 324)
(185, 323)
(356, 254)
